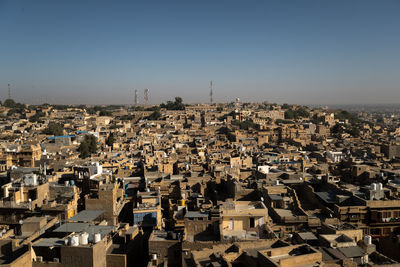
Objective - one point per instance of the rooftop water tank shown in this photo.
(373, 186)
(380, 186)
(74, 240)
(97, 238)
(368, 240)
(84, 238)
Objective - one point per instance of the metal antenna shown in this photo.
(146, 95)
(136, 98)
(211, 92)
(9, 91)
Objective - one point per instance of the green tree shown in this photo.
(127, 117)
(9, 103)
(154, 116)
(316, 119)
(353, 131)
(337, 128)
(345, 115)
(244, 125)
(303, 112)
(84, 150)
(277, 121)
(88, 146)
(105, 113)
(35, 118)
(110, 140)
(177, 105)
(290, 115)
(54, 129)
(227, 132)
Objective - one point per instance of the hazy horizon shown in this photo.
(300, 52)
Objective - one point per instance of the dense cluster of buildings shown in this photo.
(211, 185)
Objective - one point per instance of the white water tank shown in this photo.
(97, 238)
(154, 257)
(74, 240)
(373, 186)
(66, 183)
(84, 238)
(277, 182)
(380, 186)
(368, 240)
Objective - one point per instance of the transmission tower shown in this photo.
(136, 98)
(211, 92)
(9, 91)
(146, 96)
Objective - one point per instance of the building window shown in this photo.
(375, 231)
(230, 224)
(386, 231)
(252, 224)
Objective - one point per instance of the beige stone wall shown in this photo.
(76, 256)
(116, 260)
(24, 260)
(242, 222)
(301, 260)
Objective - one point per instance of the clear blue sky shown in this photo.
(307, 52)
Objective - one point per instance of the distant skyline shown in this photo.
(98, 52)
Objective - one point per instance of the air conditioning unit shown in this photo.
(39, 258)
(56, 260)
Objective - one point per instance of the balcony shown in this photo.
(239, 235)
(13, 205)
(389, 220)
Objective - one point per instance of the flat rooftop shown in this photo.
(71, 227)
(196, 214)
(50, 242)
(86, 216)
(287, 213)
(74, 227)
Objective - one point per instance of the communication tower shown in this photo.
(146, 96)
(136, 98)
(211, 92)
